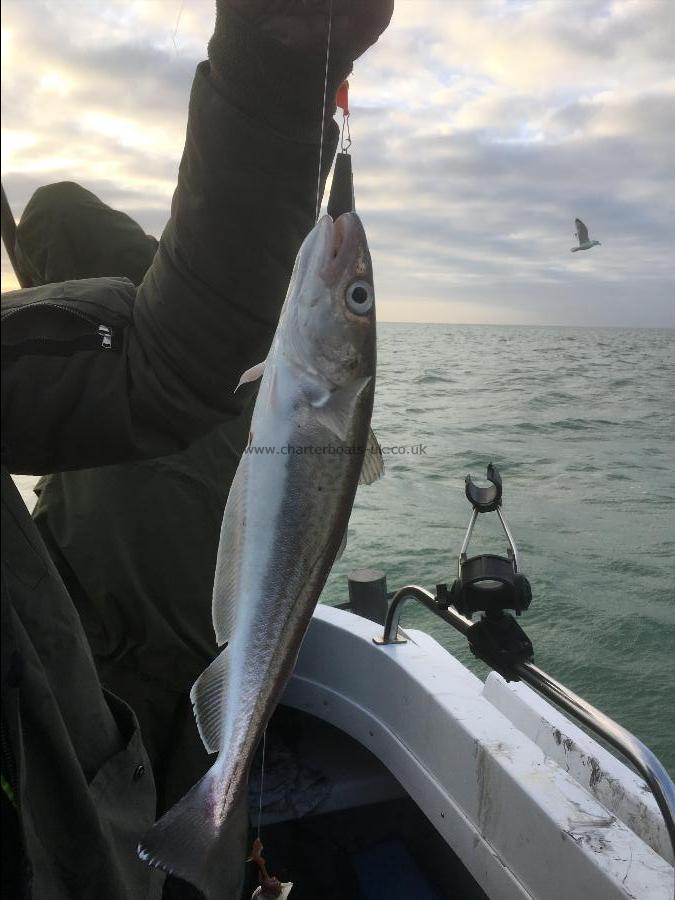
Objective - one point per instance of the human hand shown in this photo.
(303, 24)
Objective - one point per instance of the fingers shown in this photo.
(303, 24)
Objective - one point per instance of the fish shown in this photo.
(309, 445)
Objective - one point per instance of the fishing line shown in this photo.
(262, 780)
(175, 31)
(323, 109)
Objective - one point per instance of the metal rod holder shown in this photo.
(469, 532)
(639, 755)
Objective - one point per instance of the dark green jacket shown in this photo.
(135, 543)
(96, 372)
(136, 546)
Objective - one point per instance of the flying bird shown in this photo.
(582, 234)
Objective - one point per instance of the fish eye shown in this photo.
(359, 297)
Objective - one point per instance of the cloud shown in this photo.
(481, 129)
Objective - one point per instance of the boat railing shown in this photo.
(639, 755)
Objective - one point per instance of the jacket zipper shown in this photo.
(106, 337)
(106, 334)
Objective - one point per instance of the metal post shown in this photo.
(368, 594)
(9, 239)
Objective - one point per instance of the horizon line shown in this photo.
(527, 325)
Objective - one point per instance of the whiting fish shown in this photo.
(285, 517)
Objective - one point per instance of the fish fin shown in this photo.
(200, 841)
(335, 409)
(225, 602)
(207, 696)
(252, 374)
(373, 462)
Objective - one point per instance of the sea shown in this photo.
(580, 423)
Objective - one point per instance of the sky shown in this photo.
(481, 129)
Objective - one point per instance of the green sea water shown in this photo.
(581, 424)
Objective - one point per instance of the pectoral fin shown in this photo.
(252, 374)
(335, 409)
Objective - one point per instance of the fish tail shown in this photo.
(203, 839)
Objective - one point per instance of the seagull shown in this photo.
(582, 234)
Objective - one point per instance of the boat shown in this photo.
(437, 784)
(434, 784)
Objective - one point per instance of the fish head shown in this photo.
(330, 310)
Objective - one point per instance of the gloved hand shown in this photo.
(303, 24)
(269, 56)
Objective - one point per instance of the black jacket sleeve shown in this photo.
(95, 371)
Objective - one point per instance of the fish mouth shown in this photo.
(346, 234)
(341, 226)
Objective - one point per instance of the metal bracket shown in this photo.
(395, 640)
(512, 548)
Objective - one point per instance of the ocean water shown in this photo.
(581, 424)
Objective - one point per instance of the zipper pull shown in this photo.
(106, 336)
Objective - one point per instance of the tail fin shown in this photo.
(194, 841)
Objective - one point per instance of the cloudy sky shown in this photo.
(481, 129)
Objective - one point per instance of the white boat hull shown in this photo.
(531, 805)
